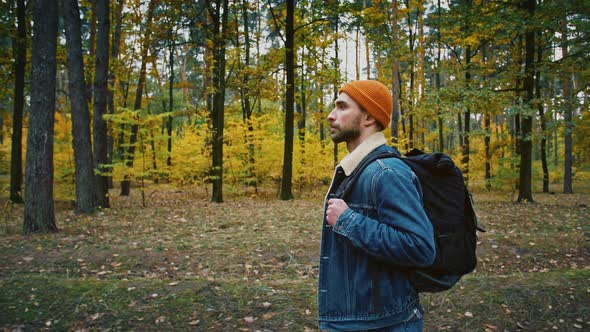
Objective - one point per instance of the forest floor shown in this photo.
(182, 263)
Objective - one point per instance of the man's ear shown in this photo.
(368, 119)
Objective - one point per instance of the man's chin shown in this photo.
(336, 139)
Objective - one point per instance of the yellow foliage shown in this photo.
(63, 158)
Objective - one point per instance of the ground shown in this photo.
(182, 263)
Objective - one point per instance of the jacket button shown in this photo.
(340, 228)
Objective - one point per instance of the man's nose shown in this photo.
(331, 116)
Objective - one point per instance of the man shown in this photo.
(379, 232)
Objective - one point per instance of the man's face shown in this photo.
(345, 119)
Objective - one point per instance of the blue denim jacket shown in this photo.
(363, 258)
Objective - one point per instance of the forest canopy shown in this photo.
(236, 93)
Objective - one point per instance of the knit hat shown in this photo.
(373, 97)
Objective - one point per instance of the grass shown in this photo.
(182, 263)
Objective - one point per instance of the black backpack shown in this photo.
(449, 207)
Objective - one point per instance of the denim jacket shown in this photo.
(364, 257)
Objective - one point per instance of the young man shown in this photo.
(372, 239)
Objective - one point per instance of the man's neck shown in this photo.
(353, 144)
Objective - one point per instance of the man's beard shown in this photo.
(347, 134)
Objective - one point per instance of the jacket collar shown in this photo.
(350, 162)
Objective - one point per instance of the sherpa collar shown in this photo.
(354, 158)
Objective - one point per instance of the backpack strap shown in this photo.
(347, 184)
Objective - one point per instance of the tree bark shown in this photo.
(438, 80)
(411, 94)
(567, 95)
(542, 118)
(487, 131)
(171, 98)
(467, 120)
(16, 167)
(110, 96)
(395, 113)
(245, 96)
(286, 185)
(39, 213)
(100, 102)
(525, 193)
(218, 116)
(85, 179)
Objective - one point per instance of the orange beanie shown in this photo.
(373, 97)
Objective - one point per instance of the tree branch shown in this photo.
(312, 22)
(274, 18)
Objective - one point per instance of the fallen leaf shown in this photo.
(95, 316)
(492, 327)
(249, 319)
(468, 314)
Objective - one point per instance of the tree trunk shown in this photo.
(16, 167)
(567, 94)
(525, 193)
(100, 102)
(467, 122)
(301, 106)
(110, 96)
(220, 36)
(335, 14)
(171, 98)
(542, 118)
(245, 95)
(85, 179)
(286, 181)
(395, 45)
(487, 130)
(421, 78)
(126, 184)
(438, 80)
(39, 213)
(517, 130)
(411, 94)
(367, 48)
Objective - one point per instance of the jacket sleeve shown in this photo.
(402, 235)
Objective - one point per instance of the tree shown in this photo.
(85, 179)
(16, 168)
(568, 118)
(395, 73)
(286, 180)
(219, 16)
(542, 118)
(115, 47)
(126, 184)
(39, 214)
(100, 102)
(525, 180)
(245, 98)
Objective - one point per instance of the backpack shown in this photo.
(449, 207)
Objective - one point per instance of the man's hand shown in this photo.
(335, 208)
